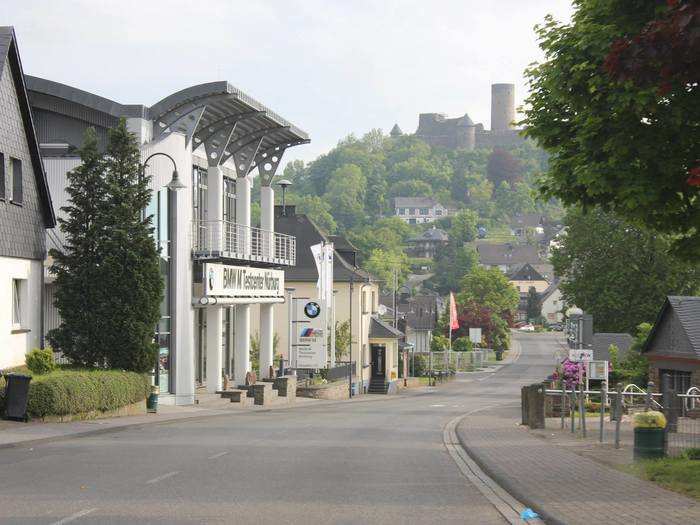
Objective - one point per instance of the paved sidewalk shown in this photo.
(564, 487)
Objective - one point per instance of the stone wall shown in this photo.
(336, 390)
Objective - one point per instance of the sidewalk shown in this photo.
(564, 487)
(13, 434)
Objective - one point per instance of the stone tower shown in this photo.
(502, 107)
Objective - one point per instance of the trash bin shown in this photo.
(499, 355)
(649, 443)
(16, 396)
(152, 400)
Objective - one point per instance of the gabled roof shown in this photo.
(602, 342)
(526, 272)
(378, 329)
(496, 254)
(9, 54)
(414, 202)
(687, 310)
(308, 234)
(553, 287)
(432, 234)
(529, 220)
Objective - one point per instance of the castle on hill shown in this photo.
(461, 132)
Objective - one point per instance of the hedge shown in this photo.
(65, 392)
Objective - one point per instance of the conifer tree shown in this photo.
(79, 292)
(130, 272)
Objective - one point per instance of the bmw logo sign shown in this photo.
(312, 310)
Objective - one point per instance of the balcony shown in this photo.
(221, 240)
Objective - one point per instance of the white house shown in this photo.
(418, 210)
(553, 305)
(25, 213)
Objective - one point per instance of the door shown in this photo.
(378, 361)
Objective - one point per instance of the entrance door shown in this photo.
(378, 363)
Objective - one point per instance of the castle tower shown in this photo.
(502, 107)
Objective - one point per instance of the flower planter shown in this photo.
(649, 443)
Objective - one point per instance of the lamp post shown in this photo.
(174, 185)
(284, 184)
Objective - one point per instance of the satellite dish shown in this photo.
(381, 309)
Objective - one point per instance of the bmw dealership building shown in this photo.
(203, 147)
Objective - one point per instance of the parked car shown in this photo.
(557, 327)
(527, 328)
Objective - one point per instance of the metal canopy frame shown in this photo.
(230, 125)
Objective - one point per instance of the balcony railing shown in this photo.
(230, 240)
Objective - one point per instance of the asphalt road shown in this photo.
(376, 460)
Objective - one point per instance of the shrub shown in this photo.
(462, 344)
(692, 453)
(420, 365)
(40, 361)
(79, 391)
(650, 419)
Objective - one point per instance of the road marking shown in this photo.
(164, 476)
(217, 455)
(437, 406)
(486, 377)
(509, 507)
(74, 517)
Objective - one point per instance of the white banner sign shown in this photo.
(475, 335)
(580, 355)
(598, 370)
(223, 280)
(309, 335)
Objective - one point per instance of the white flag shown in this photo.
(318, 252)
(328, 259)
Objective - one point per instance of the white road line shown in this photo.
(74, 517)
(437, 406)
(164, 476)
(217, 455)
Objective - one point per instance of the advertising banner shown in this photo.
(475, 335)
(224, 280)
(580, 355)
(309, 335)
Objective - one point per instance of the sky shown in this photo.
(331, 67)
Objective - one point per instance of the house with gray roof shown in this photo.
(418, 210)
(508, 257)
(26, 212)
(427, 244)
(673, 345)
(603, 340)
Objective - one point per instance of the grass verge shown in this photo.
(677, 474)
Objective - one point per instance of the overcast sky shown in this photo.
(331, 67)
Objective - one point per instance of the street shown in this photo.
(375, 460)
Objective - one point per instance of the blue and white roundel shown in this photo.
(312, 310)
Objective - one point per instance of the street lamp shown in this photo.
(284, 184)
(175, 184)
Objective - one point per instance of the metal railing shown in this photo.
(230, 240)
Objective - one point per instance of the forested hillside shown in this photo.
(350, 191)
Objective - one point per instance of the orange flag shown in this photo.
(454, 323)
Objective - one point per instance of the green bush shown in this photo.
(78, 391)
(462, 344)
(692, 453)
(420, 364)
(41, 361)
(650, 419)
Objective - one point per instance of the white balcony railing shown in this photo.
(230, 240)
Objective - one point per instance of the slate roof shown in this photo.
(553, 286)
(414, 202)
(421, 312)
(508, 253)
(432, 234)
(378, 329)
(9, 53)
(529, 220)
(687, 310)
(602, 342)
(526, 272)
(308, 234)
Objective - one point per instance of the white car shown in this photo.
(527, 328)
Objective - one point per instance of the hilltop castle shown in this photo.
(461, 132)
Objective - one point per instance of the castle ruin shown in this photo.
(461, 132)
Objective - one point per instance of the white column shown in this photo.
(215, 212)
(267, 224)
(243, 186)
(241, 356)
(267, 351)
(214, 341)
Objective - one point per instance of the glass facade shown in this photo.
(159, 209)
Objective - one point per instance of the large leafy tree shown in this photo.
(616, 105)
(490, 288)
(618, 272)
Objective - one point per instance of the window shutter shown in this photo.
(16, 180)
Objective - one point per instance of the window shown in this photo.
(412, 211)
(18, 300)
(16, 178)
(424, 211)
(2, 176)
(438, 211)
